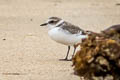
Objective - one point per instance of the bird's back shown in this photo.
(64, 37)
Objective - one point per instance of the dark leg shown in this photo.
(66, 58)
(74, 51)
(67, 53)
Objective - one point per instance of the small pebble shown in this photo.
(118, 4)
(4, 39)
(31, 19)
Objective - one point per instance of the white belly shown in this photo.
(65, 38)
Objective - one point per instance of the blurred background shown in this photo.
(26, 51)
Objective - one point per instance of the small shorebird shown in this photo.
(64, 32)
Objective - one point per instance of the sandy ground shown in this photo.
(27, 52)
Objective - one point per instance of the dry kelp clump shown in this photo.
(98, 58)
(112, 32)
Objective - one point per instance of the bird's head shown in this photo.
(52, 22)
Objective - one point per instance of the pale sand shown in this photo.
(26, 51)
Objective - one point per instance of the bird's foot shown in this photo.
(65, 59)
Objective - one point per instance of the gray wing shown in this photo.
(72, 28)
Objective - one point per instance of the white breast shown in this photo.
(64, 37)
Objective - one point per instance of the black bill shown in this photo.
(44, 24)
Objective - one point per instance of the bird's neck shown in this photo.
(59, 23)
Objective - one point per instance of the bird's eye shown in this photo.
(51, 22)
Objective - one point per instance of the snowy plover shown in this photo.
(64, 32)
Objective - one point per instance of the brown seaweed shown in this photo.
(99, 57)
